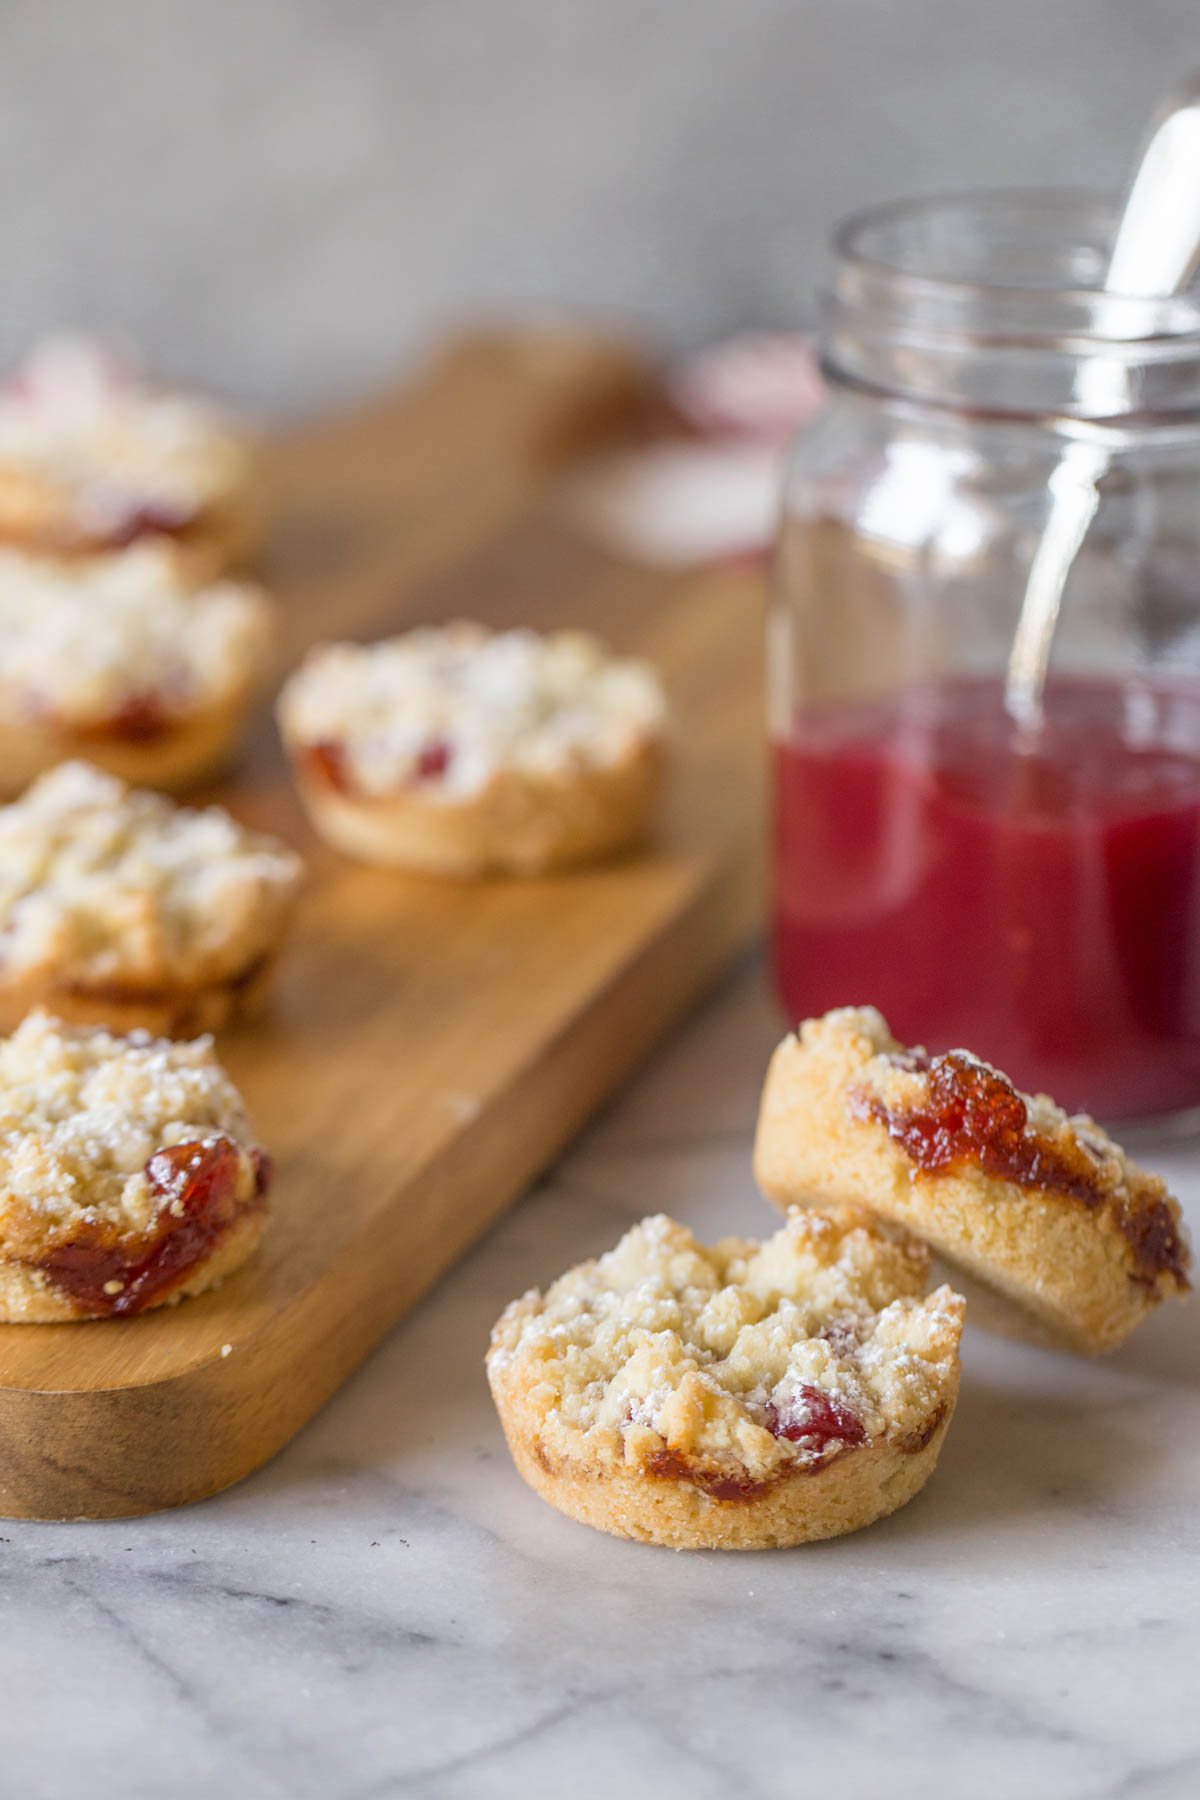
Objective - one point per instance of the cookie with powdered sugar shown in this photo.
(737, 1397)
(119, 908)
(94, 458)
(129, 1174)
(118, 660)
(460, 751)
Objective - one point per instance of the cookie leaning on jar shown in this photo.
(1069, 1240)
(458, 751)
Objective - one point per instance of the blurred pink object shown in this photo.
(69, 374)
(764, 386)
(712, 495)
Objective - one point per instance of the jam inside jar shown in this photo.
(1030, 894)
(1042, 906)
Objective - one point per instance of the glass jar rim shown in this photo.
(993, 301)
(1126, 316)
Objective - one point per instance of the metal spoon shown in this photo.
(1154, 254)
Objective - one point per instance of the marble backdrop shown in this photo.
(385, 1610)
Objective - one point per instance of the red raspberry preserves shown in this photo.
(113, 1274)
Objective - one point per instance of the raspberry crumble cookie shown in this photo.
(92, 458)
(129, 1177)
(733, 1398)
(459, 751)
(119, 908)
(116, 660)
(1043, 1209)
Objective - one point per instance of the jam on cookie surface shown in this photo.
(329, 761)
(108, 1273)
(971, 1115)
(816, 1419)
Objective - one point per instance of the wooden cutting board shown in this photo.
(433, 1045)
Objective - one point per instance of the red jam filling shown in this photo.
(668, 1465)
(108, 1276)
(138, 720)
(1041, 904)
(1153, 1236)
(328, 761)
(816, 1419)
(842, 1336)
(973, 1114)
(812, 1418)
(147, 519)
(432, 761)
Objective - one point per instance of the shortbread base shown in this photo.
(172, 1012)
(188, 751)
(28, 1298)
(518, 824)
(222, 539)
(854, 1490)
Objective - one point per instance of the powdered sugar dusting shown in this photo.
(81, 643)
(81, 420)
(83, 1111)
(746, 1354)
(100, 881)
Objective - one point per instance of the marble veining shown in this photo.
(385, 1610)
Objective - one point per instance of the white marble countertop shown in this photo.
(386, 1609)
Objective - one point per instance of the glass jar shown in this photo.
(1033, 894)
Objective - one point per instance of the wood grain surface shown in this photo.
(432, 1046)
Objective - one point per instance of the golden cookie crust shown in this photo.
(744, 1397)
(519, 824)
(1077, 1250)
(170, 1009)
(28, 1297)
(187, 750)
(863, 1486)
(223, 538)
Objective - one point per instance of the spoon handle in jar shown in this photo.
(1154, 253)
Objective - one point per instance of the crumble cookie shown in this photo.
(117, 907)
(129, 1177)
(1042, 1208)
(459, 751)
(93, 458)
(116, 659)
(733, 1398)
